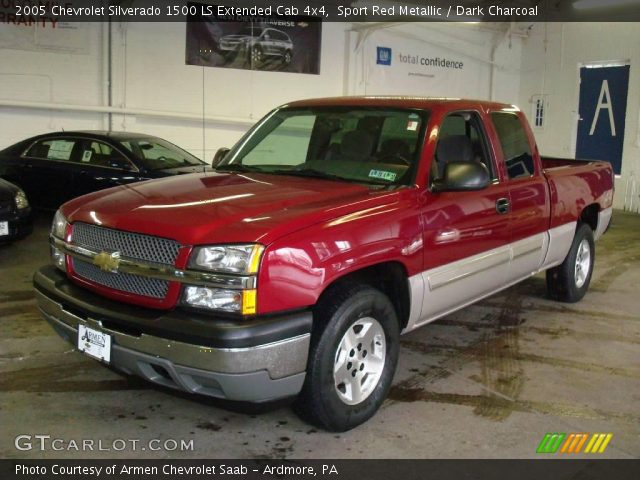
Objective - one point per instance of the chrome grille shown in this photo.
(130, 245)
(148, 287)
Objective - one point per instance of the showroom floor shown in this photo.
(488, 381)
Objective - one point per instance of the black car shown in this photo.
(57, 167)
(15, 212)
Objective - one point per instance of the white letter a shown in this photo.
(604, 92)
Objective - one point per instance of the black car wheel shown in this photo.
(352, 359)
(287, 57)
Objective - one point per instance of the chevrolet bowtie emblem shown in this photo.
(107, 262)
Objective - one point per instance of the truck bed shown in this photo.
(574, 184)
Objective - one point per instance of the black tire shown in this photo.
(286, 58)
(565, 282)
(342, 308)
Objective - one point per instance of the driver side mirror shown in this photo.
(462, 176)
(219, 156)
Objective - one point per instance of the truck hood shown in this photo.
(210, 208)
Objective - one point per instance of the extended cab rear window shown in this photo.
(514, 143)
(355, 144)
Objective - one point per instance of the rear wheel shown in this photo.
(352, 359)
(569, 281)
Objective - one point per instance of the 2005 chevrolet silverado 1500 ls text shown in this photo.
(330, 228)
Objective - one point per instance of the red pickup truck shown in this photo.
(330, 228)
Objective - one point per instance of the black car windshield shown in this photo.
(352, 144)
(158, 154)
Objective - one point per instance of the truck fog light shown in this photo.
(213, 298)
(58, 259)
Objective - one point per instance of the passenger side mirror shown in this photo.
(462, 176)
(219, 156)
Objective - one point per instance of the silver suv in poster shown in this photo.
(259, 44)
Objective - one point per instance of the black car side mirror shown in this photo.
(219, 156)
(462, 176)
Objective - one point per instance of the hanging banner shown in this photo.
(219, 38)
(603, 110)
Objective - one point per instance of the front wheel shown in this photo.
(352, 359)
(569, 281)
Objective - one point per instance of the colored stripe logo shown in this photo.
(574, 443)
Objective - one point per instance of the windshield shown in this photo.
(353, 144)
(158, 154)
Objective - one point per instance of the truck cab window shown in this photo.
(460, 139)
(515, 144)
(357, 144)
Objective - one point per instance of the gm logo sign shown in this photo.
(383, 56)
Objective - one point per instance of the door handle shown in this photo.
(502, 206)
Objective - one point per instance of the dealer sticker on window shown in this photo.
(94, 343)
(412, 125)
(382, 175)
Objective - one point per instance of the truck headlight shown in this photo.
(59, 225)
(58, 259)
(241, 259)
(233, 301)
(22, 203)
(229, 259)
(58, 230)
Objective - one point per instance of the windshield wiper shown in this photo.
(313, 173)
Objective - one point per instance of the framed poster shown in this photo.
(268, 43)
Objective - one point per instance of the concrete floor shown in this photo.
(486, 382)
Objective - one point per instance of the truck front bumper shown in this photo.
(254, 360)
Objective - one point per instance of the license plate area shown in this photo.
(94, 343)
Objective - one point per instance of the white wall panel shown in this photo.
(551, 57)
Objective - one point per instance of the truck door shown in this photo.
(466, 237)
(528, 207)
